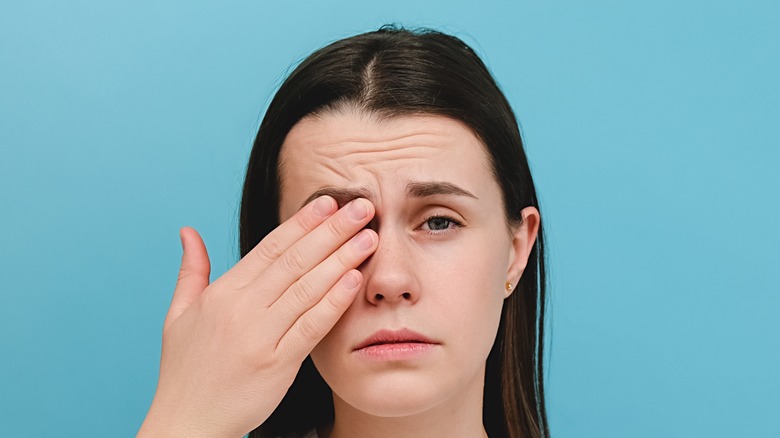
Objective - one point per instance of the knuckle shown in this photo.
(334, 304)
(305, 222)
(262, 362)
(309, 329)
(304, 293)
(336, 227)
(269, 250)
(293, 261)
(258, 359)
(345, 258)
(184, 274)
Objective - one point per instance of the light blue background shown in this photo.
(652, 129)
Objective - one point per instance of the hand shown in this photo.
(232, 348)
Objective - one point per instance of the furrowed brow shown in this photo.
(413, 190)
(422, 189)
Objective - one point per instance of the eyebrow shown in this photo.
(414, 189)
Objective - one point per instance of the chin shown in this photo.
(391, 395)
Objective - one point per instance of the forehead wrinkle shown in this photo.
(334, 165)
(340, 152)
(362, 150)
(344, 158)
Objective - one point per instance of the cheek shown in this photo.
(324, 357)
(471, 284)
(473, 266)
(472, 306)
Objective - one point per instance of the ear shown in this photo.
(523, 239)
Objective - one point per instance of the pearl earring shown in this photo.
(509, 286)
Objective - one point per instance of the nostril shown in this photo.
(378, 297)
(406, 295)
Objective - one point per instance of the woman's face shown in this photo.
(445, 254)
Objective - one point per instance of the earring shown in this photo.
(509, 286)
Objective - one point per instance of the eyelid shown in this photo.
(455, 224)
(444, 211)
(443, 216)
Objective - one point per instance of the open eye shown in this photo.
(440, 224)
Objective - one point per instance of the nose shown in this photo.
(389, 273)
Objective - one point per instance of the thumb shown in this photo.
(193, 274)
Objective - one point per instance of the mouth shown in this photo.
(389, 337)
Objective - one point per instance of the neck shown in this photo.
(459, 416)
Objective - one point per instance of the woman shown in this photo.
(392, 277)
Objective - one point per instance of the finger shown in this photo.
(193, 274)
(309, 289)
(311, 250)
(279, 240)
(309, 329)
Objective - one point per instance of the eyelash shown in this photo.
(454, 222)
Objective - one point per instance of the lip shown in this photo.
(390, 337)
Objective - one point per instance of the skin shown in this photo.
(444, 278)
(231, 348)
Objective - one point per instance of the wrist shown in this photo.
(161, 422)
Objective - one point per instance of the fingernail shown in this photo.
(323, 206)
(351, 280)
(364, 240)
(357, 209)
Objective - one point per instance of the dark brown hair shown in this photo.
(394, 72)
